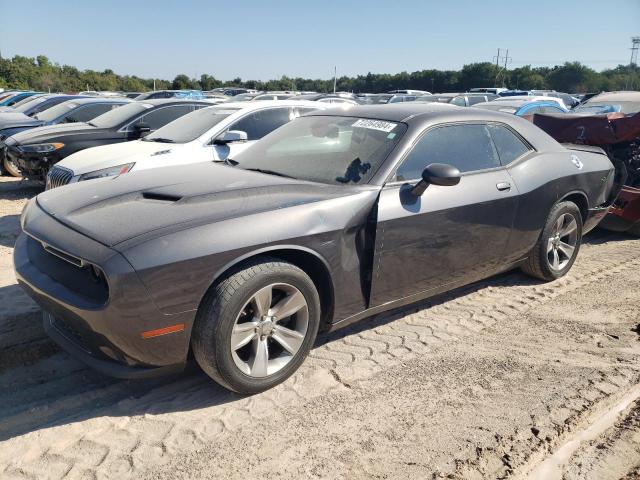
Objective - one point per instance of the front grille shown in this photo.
(58, 176)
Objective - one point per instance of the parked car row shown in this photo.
(274, 220)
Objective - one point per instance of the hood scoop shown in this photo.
(161, 197)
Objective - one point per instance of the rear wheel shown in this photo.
(255, 328)
(558, 245)
(11, 168)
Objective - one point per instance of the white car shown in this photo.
(531, 98)
(209, 134)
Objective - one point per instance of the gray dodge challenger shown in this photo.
(334, 217)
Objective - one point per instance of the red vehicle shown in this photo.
(619, 135)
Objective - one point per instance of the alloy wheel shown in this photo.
(269, 330)
(561, 245)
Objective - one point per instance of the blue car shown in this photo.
(190, 94)
(523, 107)
(14, 98)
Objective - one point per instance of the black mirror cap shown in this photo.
(441, 174)
(142, 129)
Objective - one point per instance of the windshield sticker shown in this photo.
(375, 125)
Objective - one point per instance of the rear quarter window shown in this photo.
(509, 146)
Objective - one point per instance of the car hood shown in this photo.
(106, 156)
(17, 119)
(164, 200)
(55, 132)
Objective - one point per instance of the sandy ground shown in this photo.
(491, 381)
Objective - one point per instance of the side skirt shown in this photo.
(394, 304)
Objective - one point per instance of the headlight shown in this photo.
(107, 172)
(41, 147)
(25, 212)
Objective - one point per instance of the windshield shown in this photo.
(624, 107)
(120, 115)
(191, 126)
(326, 149)
(57, 111)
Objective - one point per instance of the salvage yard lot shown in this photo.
(480, 383)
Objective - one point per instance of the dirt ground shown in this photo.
(507, 378)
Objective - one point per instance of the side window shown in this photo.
(160, 117)
(459, 101)
(509, 146)
(262, 122)
(477, 99)
(46, 105)
(467, 147)
(88, 112)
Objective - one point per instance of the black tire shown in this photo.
(10, 168)
(219, 309)
(538, 264)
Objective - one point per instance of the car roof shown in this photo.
(87, 100)
(394, 112)
(289, 102)
(166, 101)
(623, 96)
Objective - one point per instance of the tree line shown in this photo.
(41, 74)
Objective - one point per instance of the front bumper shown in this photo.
(31, 165)
(100, 319)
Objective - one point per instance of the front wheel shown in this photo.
(558, 245)
(255, 328)
(11, 168)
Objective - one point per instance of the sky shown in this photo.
(261, 40)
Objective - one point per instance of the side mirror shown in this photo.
(231, 136)
(437, 174)
(141, 129)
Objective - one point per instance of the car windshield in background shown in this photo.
(189, 127)
(119, 115)
(25, 103)
(624, 107)
(55, 112)
(325, 149)
(596, 109)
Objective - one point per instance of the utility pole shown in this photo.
(635, 45)
(499, 59)
(335, 78)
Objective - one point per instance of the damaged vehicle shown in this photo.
(335, 216)
(617, 134)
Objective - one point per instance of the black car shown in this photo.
(37, 150)
(333, 217)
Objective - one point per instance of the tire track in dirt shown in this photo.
(135, 424)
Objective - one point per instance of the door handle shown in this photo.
(503, 186)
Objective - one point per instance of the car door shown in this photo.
(256, 125)
(449, 235)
